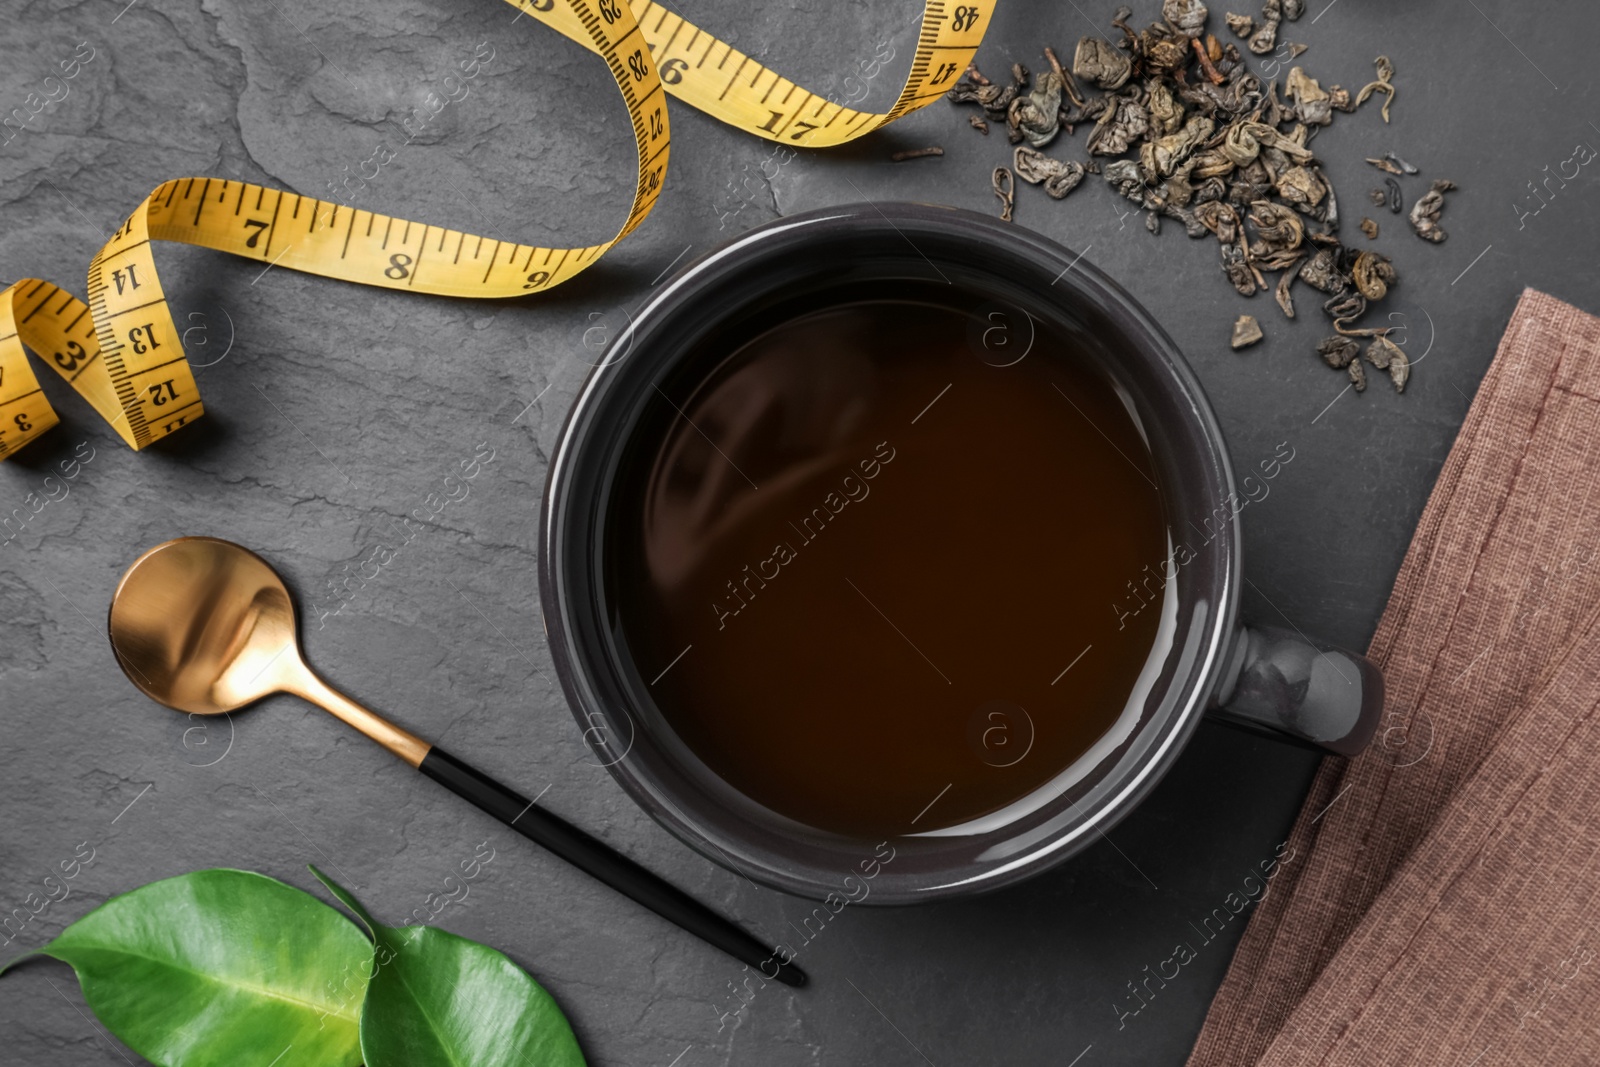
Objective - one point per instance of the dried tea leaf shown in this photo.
(1059, 177)
(1328, 212)
(1119, 127)
(1120, 21)
(1250, 184)
(1165, 112)
(1237, 270)
(974, 88)
(1405, 168)
(1191, 225)
(1281, 294)
(1220, 218)
(1188, 17)
(1244, 142)
(1281, 259)
(1125, 177)
(1338, 351)
(1345, 305)
(1369, 227)
(1241, 95)
(1211, 164)
(1322, 272)
(1207, 63)
(1210, 188)
(1097, 60)
(1278, 228)
(1241, 25)
(1381, 351)
(1384, 354)
(1293, 9)
(1302, 187)
(977, 123)
(1425, 213)
(1275, 110)
(1246, 332)
(1358, 375)
(1373, 274)
(1090, 111)
(1312, 104)
(1399, 370)
(1264, 40)
(1239, 145)
(1292, 146)
(994, 99)
(1161, 157)
(1176, 192)
(1394, 194)
(1266, 37)
(1386, 166)
(1379, 197)
(1005, 190)
(1165, 52)
(1384, 84)
(1037, 116)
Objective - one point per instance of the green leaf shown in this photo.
(222, 967)
(438, 1000)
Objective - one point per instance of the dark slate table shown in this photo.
(333, 410)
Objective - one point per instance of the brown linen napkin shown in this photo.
(1448, 891)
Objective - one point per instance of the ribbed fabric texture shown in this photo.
(1447, 907)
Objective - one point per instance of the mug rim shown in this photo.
(562, 603)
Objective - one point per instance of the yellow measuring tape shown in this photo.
(122, 352)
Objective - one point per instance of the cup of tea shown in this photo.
(895, 542)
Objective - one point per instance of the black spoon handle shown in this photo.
(604, 863)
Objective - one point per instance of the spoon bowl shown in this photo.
(204, 626)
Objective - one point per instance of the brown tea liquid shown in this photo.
(880, 584)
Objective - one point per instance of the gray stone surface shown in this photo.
(334, 410)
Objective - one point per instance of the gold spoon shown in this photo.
(206, 626)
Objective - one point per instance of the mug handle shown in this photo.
(1282, 683)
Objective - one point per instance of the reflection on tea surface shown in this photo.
(869, 571)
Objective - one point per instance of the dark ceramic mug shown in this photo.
(1266, 679)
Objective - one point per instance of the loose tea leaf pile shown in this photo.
(1188, 132)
